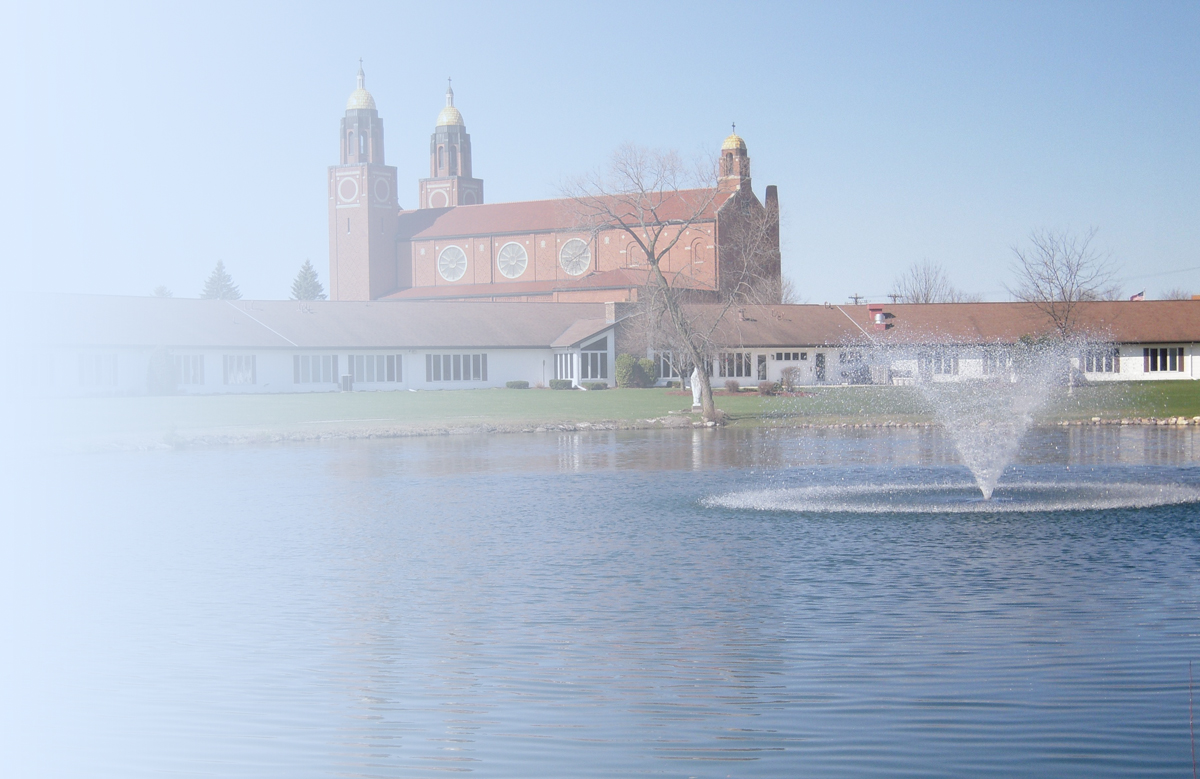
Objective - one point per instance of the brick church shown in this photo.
(455, 246)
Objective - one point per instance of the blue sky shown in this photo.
(155, 139)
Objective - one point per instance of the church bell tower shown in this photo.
(449, 182)
(735, 161)
(362, 207)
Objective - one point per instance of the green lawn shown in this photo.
(1132, 399)
(155, 417)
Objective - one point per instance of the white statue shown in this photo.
(695, 388)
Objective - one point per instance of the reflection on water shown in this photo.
(567, 605)
(762, 449)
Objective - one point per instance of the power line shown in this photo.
(1156, 275)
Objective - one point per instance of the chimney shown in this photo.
(610, 312)
(879, 317)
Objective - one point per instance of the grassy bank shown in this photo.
(358, 413)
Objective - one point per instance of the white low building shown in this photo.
(906, 343)
(99, 345)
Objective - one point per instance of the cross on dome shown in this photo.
(450, 115)
(360, 98)
(733, 142)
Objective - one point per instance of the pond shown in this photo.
(600, 604)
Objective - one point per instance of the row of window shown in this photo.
(1169, 358)
(1102, 361)
(187, 368)
(239, 369)
(1107, 360)
(564, 366)
(1092, 361)
(314, 368)
(100, 370)
(939, 364)
(741, 365)
(455, 367)
(575, 258)
(373, 367)
(97, 370)
(592, 365)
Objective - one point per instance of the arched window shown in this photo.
(633, 255)
(441, 158)
(362, 144)
(349, 144)
(453, 160)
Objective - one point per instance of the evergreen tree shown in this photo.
(220, 285)
(307, 286)
(162, 292)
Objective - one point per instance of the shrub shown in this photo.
(517, 384)
(731, 385)
(790, 378)
(595, 385)
(649, 370)
(766, 388)
(561, 384)
(627, 372)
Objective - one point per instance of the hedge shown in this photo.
(517, 384)
(632, 372)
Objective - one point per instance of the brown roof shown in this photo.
(1159, 321)
(535, 216)
(580, 331)
(93, 320)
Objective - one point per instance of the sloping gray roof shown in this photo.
(94, 320)
(580, 331)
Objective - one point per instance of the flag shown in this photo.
(1139, 296)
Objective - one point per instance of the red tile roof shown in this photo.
(1159, 321)
(534, 216)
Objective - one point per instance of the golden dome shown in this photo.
(733, 143)
(450, 115)
(360, 97)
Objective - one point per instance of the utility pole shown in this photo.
(895, 296)
(857, 298)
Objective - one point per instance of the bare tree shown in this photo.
(1176, 293)
(1057, 272)
(655, 198)
(927, 282)
(788, 294)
